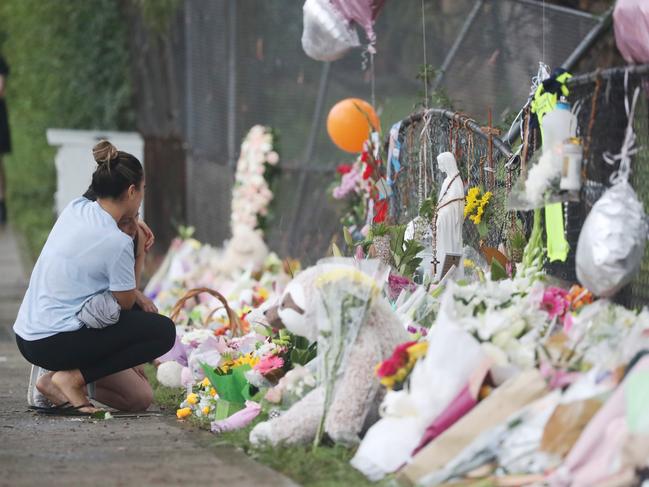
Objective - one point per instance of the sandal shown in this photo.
(50, 408)
(70, 410)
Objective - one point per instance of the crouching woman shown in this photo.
(85, 255)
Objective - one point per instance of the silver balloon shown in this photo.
(327, 36)
(612, 241)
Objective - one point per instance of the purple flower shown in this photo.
(348, 184)
(397, 283)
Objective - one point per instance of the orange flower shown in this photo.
(579, 296)
(182, 413)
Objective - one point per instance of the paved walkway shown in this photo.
(37, 450)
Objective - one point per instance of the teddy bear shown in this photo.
(246, 250)
(356, 394)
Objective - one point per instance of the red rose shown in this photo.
(344, 168)
(368, 171)
(381, 209)
(388, 368)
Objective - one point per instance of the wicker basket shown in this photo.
(235, 324)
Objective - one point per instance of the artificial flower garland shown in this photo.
(251, 194)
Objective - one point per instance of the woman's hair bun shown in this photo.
(104, 152)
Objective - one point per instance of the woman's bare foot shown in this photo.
(46, 387)
(72, 385)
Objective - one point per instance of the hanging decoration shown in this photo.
(612, 241)
(329, 26)
(350, 122)
(327, 36)
(631, 24)
(362, 12)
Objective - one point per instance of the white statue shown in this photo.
(450, 213)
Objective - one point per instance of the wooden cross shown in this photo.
(490, 131)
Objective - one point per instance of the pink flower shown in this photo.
(359, 254)
(268, 364)
(567, 322)
(347, 184)
(397, 283)
(555, 302)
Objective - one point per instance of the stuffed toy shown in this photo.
(347, 393)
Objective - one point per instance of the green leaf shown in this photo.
(348, 237)
(398, 234)
(335, 250)
(498, 272)
(483, 229)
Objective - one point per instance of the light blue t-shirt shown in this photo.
(85, 254)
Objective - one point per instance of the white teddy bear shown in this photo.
(246, 250)
(356, 394)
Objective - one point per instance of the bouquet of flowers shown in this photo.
(395, 370)
(477, 209)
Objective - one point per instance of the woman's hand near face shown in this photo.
(149, 238)
(141, 242)
(129, 226)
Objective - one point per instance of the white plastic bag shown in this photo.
(612, 241)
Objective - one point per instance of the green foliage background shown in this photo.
(69, 69)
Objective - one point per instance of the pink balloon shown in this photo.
(363, 12)
(631, 23)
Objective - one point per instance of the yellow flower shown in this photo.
(183, 413)
(472, 201)
(227, 365)
(205, 382)
(263, 293)
(192, 398)
(247, 359)
(469, 264)
(206, 410)
(212, 392)
(388, 381)
(417, 351)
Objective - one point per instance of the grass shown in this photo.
(326, 466)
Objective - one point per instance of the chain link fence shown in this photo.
(244, 65)
(600, 101)
(482, 160)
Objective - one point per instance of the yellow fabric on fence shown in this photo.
(557, 244)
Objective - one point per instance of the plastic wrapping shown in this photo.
(327, 36)
(453, 356)
(345, 294)
(612, 241)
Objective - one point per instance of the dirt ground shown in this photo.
(143, 451)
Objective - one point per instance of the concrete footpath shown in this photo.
(145, 451)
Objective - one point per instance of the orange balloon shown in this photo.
(348, 123)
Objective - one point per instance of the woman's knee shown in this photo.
(142, 399)
(166, 332)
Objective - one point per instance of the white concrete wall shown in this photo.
(74, 161)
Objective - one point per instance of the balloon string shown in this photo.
(543, 34)
(372, 84)
(423, 28)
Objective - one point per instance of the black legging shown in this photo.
(138, 337)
